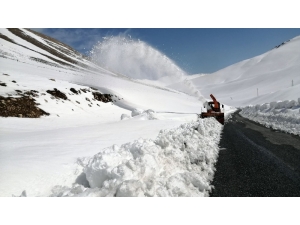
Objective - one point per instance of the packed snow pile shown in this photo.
(179, 162)
(280, 115)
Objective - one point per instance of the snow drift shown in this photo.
(179, 162)
(281, 115)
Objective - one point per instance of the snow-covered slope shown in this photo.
(33, 60)
(57, 107)
(266, 87)
(272, 76)
(72, 128)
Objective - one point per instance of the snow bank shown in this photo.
(179, 162)
(281, 115)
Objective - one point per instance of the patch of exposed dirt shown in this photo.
(57, 48)
(20, 107)
(33, 41)
(6, 38)
(74, 91)
(84, 90)
(102, 97)
(58, 94)
(45, 62)
(51, 41)
(6, 55)
(32, 93)
(22, 35)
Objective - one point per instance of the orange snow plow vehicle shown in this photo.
(213, 110)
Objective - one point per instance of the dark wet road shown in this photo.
(255, 161)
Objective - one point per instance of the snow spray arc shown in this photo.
(138, 60)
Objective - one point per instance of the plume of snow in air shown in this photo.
(138, 60)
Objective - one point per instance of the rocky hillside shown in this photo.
(30, 100)
(45, 50)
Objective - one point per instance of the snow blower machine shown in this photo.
(213, 110)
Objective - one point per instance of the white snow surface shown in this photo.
(148, 141)
(38, 154)
(267, 87)
(280, 115)
(272, 76)
(179, 162)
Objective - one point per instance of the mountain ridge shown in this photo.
(252, 81)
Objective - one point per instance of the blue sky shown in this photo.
(195, 50)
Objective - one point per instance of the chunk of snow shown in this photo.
(23, 194)
(136, 112)
(124, 116)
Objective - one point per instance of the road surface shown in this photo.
(255, 161)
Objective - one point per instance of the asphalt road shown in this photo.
(255, 161)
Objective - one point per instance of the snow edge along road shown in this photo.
(179, 162)
(280, 115)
